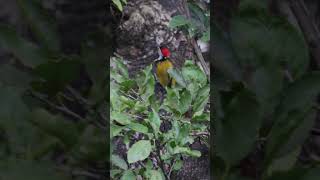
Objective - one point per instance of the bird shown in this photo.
(162, 65)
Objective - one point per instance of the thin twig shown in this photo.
(195, 45)
(64, 110)
(200, 134)
(171, 167)
(309, 29)
(76, 95)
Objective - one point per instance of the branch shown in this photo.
(63, 109)
(195, 45)
(309, 29)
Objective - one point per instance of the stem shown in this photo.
(195, 45)
(161, 162)
(65, 110)
(171, 167)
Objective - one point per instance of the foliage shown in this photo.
(119, 4)
(51, 127)
(198, 24)
(138, 118)
(264, 98)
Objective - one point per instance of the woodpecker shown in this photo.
(162, 64)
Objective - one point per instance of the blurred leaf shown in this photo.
(185, 101)
(155, 121)
(118, 161)
(267, 82)
(95, 46)
(177, 76)
(121, 118)
(28, 53)
(295, 116)
(178, 165)
(154, 175)
(138, 127)
(193, 74)
(13, 120)
(57, 126)
(201, 99)
(118, 4)
(297, 174)
(196, 12)
(285, 162)
(121, 67)
(265, 40)
(114, 173)
(225, 59)
(15, 169)
(186, 150)
(178, 20)
(239, 127)
(11, 76)
(206, 36)
(89, 145)
(139, 151)
(56, 75)
(42, 24)
(115, 130)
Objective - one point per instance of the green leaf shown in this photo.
(287, 136)
(266, 40)
(95, 46)
(177, 165)
(186, 150)
(154, 175)
(178, 20)
(128, 175)
(185, 101)
(14, 120)
(114, 173)
(177, 76)
(88, 147)
(225, 59)
(28, 53)
(139, 151)
(297, 174)
(201, 99)
(138, 127)
(115, 130)
(57, 126)
(11, 76)
(238, 128)
(121, 67)
(15, 169)
(56, 75)
(206, 36)
(118, 161)
(155, 121)
(285, 162)
(193, 74)
(42, 24)
(294, 117)
(118, 4)
(267, 82)
(121, 117)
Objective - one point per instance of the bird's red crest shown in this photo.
(165, 52)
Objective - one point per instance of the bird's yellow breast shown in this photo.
(161, 71)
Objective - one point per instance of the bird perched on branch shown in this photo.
(161, 66)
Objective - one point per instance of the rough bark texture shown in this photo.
(144, 26)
